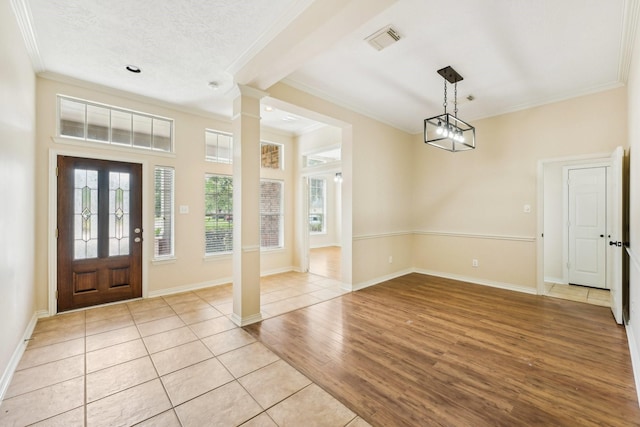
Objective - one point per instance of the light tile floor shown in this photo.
(170, 361)
(579, 293)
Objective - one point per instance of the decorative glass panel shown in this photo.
(97, 123)
(161, 135)
(141, 131)
(85, 213)
(120, 127)
(72, 118)
(119, 215)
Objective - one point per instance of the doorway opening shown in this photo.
(580, 224)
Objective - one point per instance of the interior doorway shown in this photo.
(324, 227)
(599, 253)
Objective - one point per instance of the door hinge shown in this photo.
(56, 233)
(56, 294)
(57, 170)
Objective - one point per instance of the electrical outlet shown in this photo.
(474, 263)
(390, 259)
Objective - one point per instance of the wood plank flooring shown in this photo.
(326, 262)
(421, 351)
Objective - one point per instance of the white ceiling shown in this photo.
(512, 53)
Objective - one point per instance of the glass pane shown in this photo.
(118, 213)
(97, 123)
(85, 213)
(163, 224)
(161, 135)
(317, 205)
(218, 221)
(270, 214)
(225, 149)
(270, 155)
(120, 127)
(141, 131)
(72, 118)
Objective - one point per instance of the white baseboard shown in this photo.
(190, 287)
(634, 350)
(277, 271)
(555, 281)
(493, 284)
(197, 286)
(18, 352)
(246, 320)
(376, 281)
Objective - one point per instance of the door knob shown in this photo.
(602, 235)
(137, 240)
(137, 230)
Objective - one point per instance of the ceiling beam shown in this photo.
(318, 27)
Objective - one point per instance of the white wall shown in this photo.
(634, 208)
(553, 215)
(17, 192)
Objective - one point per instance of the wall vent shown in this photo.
(383, 38)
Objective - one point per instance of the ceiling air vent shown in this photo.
(383, 38)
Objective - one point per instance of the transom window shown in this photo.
(218, 147)
(329, 155)
(270, 155)
(90, 121)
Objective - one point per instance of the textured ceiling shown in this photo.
(512, 53)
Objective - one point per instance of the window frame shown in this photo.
(280, 155)
(228, 212)
(171, 254)
(324, 206)
(216, 159)
(85, 139)
(281, 215)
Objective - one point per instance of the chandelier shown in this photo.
(447, 131)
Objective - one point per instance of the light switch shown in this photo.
(184, 209)
(527, 208)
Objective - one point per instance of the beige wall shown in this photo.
(17, 187)
(189, 268)
(377, 188)
(470, 205)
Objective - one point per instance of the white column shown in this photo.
(246, 206)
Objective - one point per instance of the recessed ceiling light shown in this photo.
(133, 69)
(268, 108)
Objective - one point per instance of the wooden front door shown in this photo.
(99, 232)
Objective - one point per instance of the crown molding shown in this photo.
(22, 11)
(630, 17)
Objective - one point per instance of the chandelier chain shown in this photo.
(445, 97)
(455, 99)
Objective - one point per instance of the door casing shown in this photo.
(52, 250)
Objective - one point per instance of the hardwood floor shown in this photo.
(421, 350)
(326, 262)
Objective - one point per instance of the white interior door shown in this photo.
(587, 227)
(615, 237)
